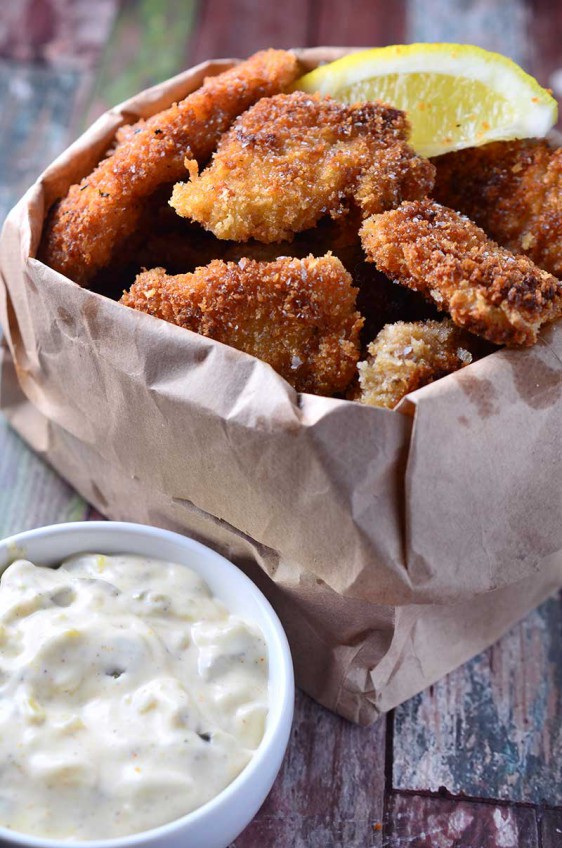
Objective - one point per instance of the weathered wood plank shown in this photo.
(492, 728)
(493, 24)
(546, 44)
(238, 28)
(551, 828)
(413, 821)
(37, 109)
(92, 514)
(307, 832)
(39, 103)
(31, 494)
(363, 23)
(58, 32)
(330, 789)
(147, 46)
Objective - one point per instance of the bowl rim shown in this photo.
(280, 713)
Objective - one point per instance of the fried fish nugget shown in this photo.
(293, 158)
(513, 190)
(404, 357)
(485, 288)
(86, 227)
(296, 314)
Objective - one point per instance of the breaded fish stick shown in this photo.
(513, 190)
(86, 228)
(296, 314)
(404, 357)
(293, 158)
(485, 288)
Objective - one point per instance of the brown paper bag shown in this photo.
(394, 544)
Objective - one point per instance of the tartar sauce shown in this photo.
(129, 696)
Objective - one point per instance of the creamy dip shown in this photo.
(129, 696)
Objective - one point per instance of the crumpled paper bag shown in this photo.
(393, 544)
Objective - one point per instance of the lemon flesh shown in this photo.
(455, 95)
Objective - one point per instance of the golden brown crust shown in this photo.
(451, 261)
(404, 357)
(513, 190)
(293, 158)
(296, 314)
(85, 228)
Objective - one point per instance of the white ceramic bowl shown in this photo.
(219, 821)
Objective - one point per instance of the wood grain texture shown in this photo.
(237, 28)
(330, 789)
(58, 32)
(424, 822)
(147, 46)
(492, 728)
(31, 494)
(92, 514)
(493, 24)
(551, 829)
(545, 31)
(38, 105)
(363, 23)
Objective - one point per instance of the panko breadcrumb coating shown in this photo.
(485, 288)
(86, 228)
(404, 357)
(296, 314)
(293, 158)
(513, 190)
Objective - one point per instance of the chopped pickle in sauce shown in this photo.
(129, 696)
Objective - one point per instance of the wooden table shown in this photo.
(475, 761)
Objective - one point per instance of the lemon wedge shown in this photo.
(455, 95)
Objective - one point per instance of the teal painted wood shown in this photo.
(492, 728)
(31, 493)
(494, 24)
(147, 45)
(330, 790)
(424, 822)
(37, 109)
